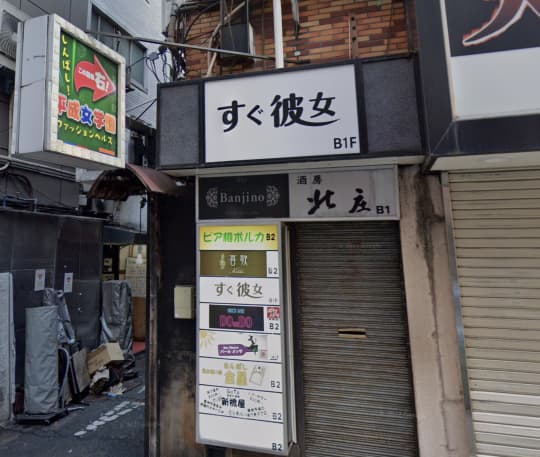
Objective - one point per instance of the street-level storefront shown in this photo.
(303, 335)
(485, 143)
(323, 321)
(496, 234)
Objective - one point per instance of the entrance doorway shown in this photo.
(354, 382)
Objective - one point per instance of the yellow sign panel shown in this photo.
(239, 237)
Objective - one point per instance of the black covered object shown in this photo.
(117, 316)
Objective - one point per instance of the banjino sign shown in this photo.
(369, 193)
(493, 53)
(70, 106)
(244, 197)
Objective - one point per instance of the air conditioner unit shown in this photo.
(236, 32)
(236, 37)
(10, 16)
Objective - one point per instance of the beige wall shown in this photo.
(441, 418)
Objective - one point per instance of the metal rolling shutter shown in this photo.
(358, 395)
(497, 237)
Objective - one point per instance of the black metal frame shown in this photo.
(360, 103)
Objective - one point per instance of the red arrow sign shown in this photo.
(94, 77)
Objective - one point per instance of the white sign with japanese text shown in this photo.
(240, 346)
(241, 380)
(368, 193)
(68, 283)
(243, 374)
(39, 280)
(288, 114)
(248, 291)
(241, 403)
(252, 434)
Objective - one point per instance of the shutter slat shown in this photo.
(496, 218)
(357, 392)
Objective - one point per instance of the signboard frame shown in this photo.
(284, 332)
(42, 35)
(344, 150)
(291, 217)
(476, 71)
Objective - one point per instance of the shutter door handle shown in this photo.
(353, 333)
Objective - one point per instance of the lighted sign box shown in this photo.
(242, 390)
(493, 57)
(69, 97)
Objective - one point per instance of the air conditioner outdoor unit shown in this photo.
(236, 37)
(10, 16)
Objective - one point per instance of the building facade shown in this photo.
(304, 205)
(484, 118)
(49, 227)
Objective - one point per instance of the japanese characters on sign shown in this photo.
(240, 393)
(366, 193)
(87, 99)
(74, 100)
(292, 114)
(358, 193)
(235, 263)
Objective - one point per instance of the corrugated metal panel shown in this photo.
(497, 238)
(358, 395)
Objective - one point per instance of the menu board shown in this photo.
(240, 352)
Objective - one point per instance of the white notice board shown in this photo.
(241, 376)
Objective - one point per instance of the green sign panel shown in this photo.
(87, 98)
(233, 263)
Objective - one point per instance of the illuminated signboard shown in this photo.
(77, 98)
(241, 381)
(493, 57)
(87, 97)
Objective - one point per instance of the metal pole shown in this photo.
(171, 44)
(278, 34)
(153, 277)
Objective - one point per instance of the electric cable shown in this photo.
(146, 109)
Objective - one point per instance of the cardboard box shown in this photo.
(139, 318)
(103, 355)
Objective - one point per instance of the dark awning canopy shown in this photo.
(119, 184)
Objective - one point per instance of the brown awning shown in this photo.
(119, 184)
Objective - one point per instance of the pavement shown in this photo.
(107, 427)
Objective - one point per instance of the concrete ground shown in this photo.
(107, 427)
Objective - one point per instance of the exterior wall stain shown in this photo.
(175, 352)
(434, 354)
(177, 405)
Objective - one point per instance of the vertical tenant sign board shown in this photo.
(75, 97)
(241, 398)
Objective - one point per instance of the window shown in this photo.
(133, 52)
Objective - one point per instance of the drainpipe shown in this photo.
(278, 34)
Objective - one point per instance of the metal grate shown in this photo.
(357, 384)
(496, 217)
